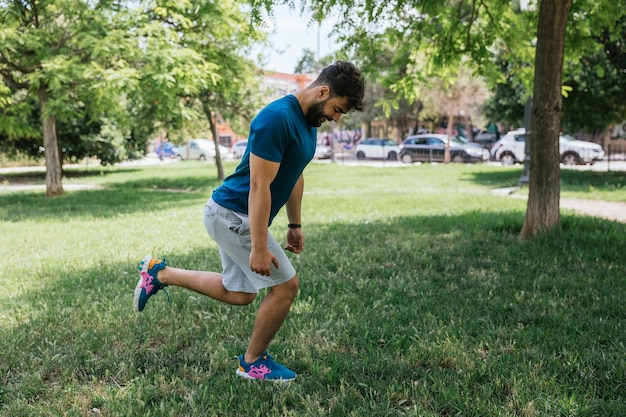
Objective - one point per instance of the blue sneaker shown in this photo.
(148, 284)
(265, 369)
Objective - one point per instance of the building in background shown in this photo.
(279, 84)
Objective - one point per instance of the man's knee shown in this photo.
(288, 289)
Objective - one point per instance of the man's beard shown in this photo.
(316, 114)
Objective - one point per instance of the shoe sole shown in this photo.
(144, 268)
(244, 375)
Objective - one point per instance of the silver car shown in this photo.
(202, 149)
(239, 148)
(323, 152)
(511, 149)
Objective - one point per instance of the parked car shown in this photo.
(430, 147)
(166, 150)
(378, 148)
(239, 148)
(485, 151)
(202, 149)
(323, 152)
(511, 149)
(485, 139)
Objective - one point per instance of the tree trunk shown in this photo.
(218, 157)
(446, 148)
(542, 212)
(54, 172)
(470, 129)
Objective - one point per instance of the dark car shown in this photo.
(430, 147)
(486, 139)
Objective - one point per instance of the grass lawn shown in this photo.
(417, 298)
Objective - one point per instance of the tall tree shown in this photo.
(55, 51)
(115, 66)
(444, 32)
(218, 33)
(236, 94)
(544, 187)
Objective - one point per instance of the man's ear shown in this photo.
(323, 92)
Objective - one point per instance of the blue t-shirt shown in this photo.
(279, 133)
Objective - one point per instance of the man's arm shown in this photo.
(295, 202)
(262, 173)
(295, 238)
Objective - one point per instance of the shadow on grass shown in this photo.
(448, 300)
(39, 177)
(505, 177)
(582, 181)
(132, 196)
(87, 204)
(571, 180)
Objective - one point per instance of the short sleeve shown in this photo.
(269, 135)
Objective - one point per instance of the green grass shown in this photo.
(417, 298)
(586, 185)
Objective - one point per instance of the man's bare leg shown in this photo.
(270, 317)
(204, 282)
(271, 314)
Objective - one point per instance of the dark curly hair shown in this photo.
(344, 80)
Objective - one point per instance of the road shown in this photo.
(608, 210)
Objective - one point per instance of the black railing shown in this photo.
(615, 153)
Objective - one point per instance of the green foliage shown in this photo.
(594, 87)
(62, 60)
(19, 120)
(417, 298)
(506, 104)
(108, 144)
(235, 95)
(430, 38)
(598, 85)
(128, 68)
(307, 64)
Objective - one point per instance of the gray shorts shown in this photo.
(231, 231)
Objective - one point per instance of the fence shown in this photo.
(615, 153)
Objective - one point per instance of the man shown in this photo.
(280, 145)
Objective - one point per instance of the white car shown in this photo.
(323, 152)
(202, 149)
(239, 148)
(377, 148)
(510, 149)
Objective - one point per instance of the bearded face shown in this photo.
(315, 116)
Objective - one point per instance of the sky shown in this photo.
(290, 34)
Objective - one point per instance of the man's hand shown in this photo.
(260, 261)
(295, 240)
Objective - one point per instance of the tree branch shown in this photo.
(468, 37)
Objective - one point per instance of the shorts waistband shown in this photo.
(218, 207)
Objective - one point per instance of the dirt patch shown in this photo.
(42, 187)
(605, 209)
